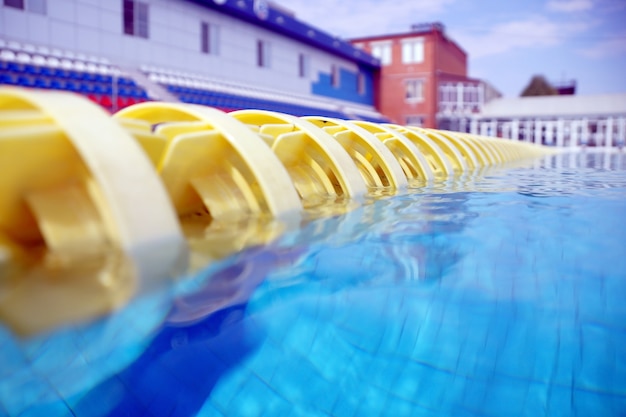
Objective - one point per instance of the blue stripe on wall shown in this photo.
(348, 87)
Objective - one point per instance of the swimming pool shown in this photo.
(492, 295)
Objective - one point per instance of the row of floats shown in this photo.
(95, 206)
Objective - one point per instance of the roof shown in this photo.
(416, 30)
(556, 106)
(275, 18)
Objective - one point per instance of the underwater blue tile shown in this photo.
(560, 400)
(51, 409)
(536, 403)
(563, 365)
(506, 396)
(287, 372)
(406, 340)
(209, 410)
(600, 349)
(586, 403)
(345, 405)
(301, 335)
(251, 400)
(276, 406)
(330, 356)
(383, 373)
(324, 395)
(545, 357)
(51, 355)
(399, 407)
(265, 360)
(108, 397)
(619, 379)
(23, 390)
(372, 402)
(74, 377)
(432, 385)
(517, 354)
(226, 389)
(12, 358)
(474, 394)
(408, 383)
(365, 337)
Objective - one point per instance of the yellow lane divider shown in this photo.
(75, 185)
(319, 166)
(95, 206)
(438, 161)
(209, 159)
(377, 164)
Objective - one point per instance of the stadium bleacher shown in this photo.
(104, 83)
(95, 78)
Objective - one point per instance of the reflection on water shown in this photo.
(496, 294)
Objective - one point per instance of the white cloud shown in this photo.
(569, 6)
(532, 32)
(611, 47)
(365, 17)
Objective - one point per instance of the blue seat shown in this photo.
(32, 69)
(85, 88)
(126, 81)
(99, 89)
(25, 81)
(140, 93)
(72, 86)
(7, 79)
(61, 73)
(76, 75)
(126, 91)
(15, 67)
(41, 82)
(47, 71)
(57, 84)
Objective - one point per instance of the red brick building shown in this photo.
(423, 79)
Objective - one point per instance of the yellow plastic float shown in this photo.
(75, 189)
(94, 206)
(319, 166)
(378, 165)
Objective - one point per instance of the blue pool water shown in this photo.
(500, 294)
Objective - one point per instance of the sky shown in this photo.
(507, 42)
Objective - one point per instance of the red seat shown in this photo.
(105, 101)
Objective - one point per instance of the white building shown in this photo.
(567, 120)
(245, 48)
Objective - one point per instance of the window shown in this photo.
(35, 6)
(413, 51)
(412, 120)
(360, 83)
(18, 4)
(303, 65)
(263, 54)
(382, 51)
(334, 76)
(209, 38)
(135, 18)
(414, 90)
